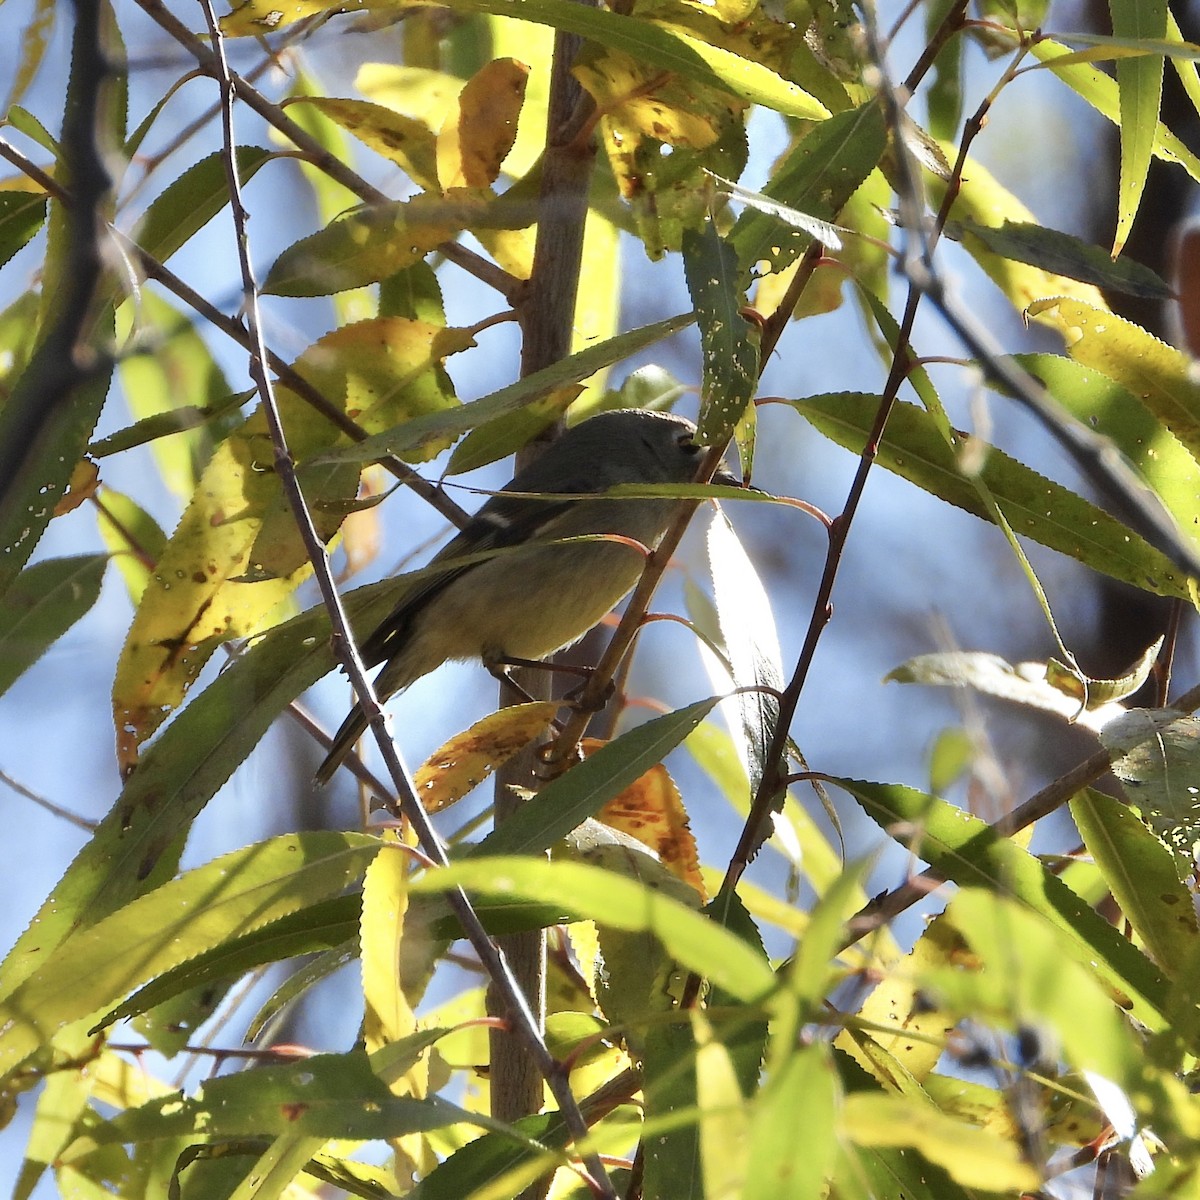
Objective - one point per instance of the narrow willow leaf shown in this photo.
(460, 765)
(728, 341)
(324, 925)
(983, 200)
(1036, 507)
(1142, 875)
(22, 214)
(1139, 83)
(973, 1157)
(672, 1156)
(42, 604)
(1100, 91)
(565, 802)
(1063, 254)
(53, 437)
(1116, 412)
(188, 203)
(725, 1118)
(170, 374)
(827, 166)
(389, 1016)
(369, 244)
(328, 1096)
(132, 536)
(1157, 374)
(789, 1158)
(407, 142)
(695, 942)
(190, 915)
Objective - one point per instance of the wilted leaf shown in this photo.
(467, 759)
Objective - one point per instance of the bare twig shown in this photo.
(347, 651)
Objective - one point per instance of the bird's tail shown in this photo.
(352, 728)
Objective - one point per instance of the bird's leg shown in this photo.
(498, 668)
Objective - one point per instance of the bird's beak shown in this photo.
(726, 478)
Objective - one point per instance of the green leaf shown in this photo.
(672, 1155)
(1062, 254)
(827, 166)
(567, 801)
(175, 381)
(22, 214)
(1036, 507)
(132, 537)
(1139, 83)
(790, 1158)
(369, 244)
(490, 1158)
(728, 341)
(692, 940)
(188, 203)
(133, 848)
(963, 849)
(330, 1096)
(1113, 410)
(1141, 874)
(943, 96)
(42, 604)
(236, 893)
(1157, 374)
(323, 925)
(973, 1157)
(51, 418)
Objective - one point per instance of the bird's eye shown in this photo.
(685, 443)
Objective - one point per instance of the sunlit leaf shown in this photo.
(1139, 83)
(1036, 507)
(466, 760)
(42, 604)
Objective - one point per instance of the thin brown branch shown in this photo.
(411, 808)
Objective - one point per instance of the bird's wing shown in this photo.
(504, 521)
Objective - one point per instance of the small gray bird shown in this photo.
(527, 603)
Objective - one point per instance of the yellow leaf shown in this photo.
(476, 139)
(236, 554)
(467, 759)
(651, 810)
